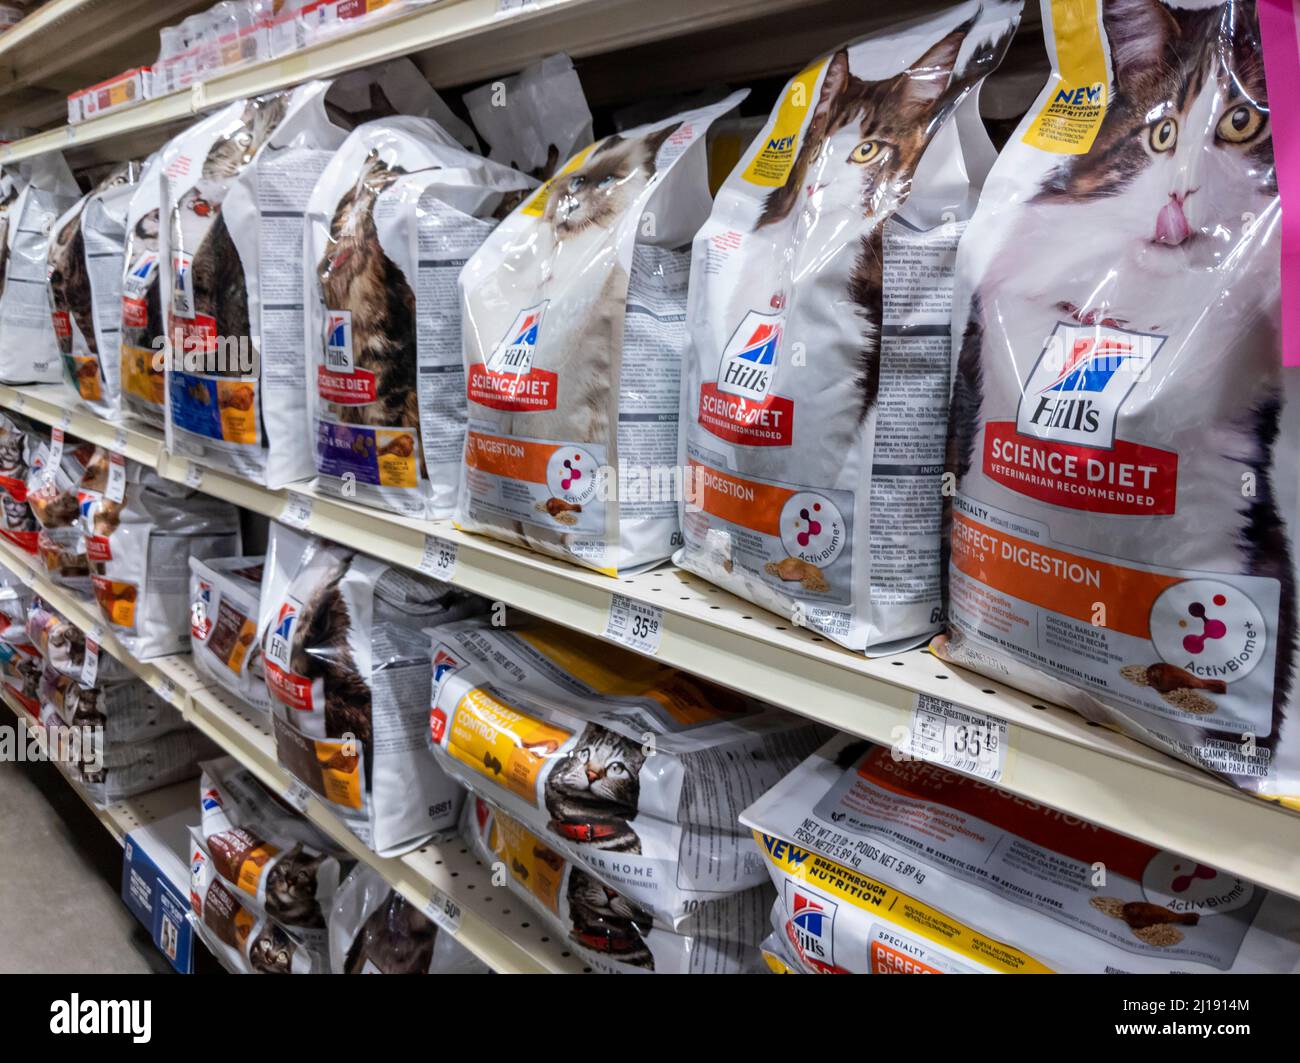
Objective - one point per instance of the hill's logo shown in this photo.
(514, 354)
(748, 364)
(812, 920)
(338, 341)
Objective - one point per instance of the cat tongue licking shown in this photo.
(1171, 223)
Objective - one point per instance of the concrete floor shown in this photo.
(60, 872)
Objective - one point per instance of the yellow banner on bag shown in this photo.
(1079, 90)
(774, 160)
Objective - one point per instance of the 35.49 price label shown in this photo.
(959, 738)
(637, 625)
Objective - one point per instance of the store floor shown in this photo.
(60, 872)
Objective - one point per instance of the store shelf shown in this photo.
(443, 877)
(122, 817)
(1055, 757)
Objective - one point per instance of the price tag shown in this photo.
(119, 441)
(90, 662)
(166, 688)
(194, 476)
(506, 8)
(70, 134)
(443, 911)
(439, 558)
(636, 625)
(297, 512)
(295, 795)
(56, 453)
(116, 489)
(65, 422)
(958, 738)
(19, 403)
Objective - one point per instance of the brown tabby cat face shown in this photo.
(865, 138)
(354, 243)
(233, 152)
(609, 179)
(1185, 150)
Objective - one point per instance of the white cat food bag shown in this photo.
(12, 182)
(17, 521)
(373, 929)
(225, 640)
(815, 386)
(140, 532)
(390, 223)
(272, 858)
(68, 268)
(347, 671)
(633, 771)
(142, 336)
(63, 647)
(29, 352)
(103, 232)
(611, 933)
(1123, 420)
(535, 120)
(244, 940)
(896, 866)
(573, 336)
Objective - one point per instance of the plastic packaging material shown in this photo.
(375, 930)
(535, 120)
(572, 312)
(632, 771)
(140, 531)
(29, 351)
(899, 866)
(347, 671)
(73, 302)
(815, 384)
(1124, 422)
(225, 641)
(389, 226)
(274, 860)
(609, 932)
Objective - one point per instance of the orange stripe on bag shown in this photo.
(744, 502)
(512, 458)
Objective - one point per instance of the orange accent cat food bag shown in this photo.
(1123, 425)
(815, 382)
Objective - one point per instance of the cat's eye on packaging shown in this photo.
(816, 374)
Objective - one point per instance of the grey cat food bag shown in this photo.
(124, 709)
(633, 771)
(225, 639)
(17, 521)
(612, 934)
(889, 866)
(373, 929)
(72, 300)
(140, 531)
(390, 223)
(29, 352)
(103, 234)
(1124, 416)
(273, 859)
(142, 336)
(573, 335)
(816, 378)
(347, 674)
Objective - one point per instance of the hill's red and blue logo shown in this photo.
(284, 621)
(811, 923)
(338, 341)
(514, 354)
(210, 801)
(749, 360)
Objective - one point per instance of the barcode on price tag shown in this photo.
(296, 512)
(166, 688)
(56, 452)
(443, 911)
(636, 625)
(193, 476)
(296, 794)
(439, 558)
(90, 662)
(958, 738)
(116, 489)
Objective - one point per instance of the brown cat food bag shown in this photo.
(815, 384)
(634, 771)
(225, 640)
(573, 332)
(17, 521)
(1124, 412)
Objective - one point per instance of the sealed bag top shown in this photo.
(1123, 428)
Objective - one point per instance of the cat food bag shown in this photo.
(123, 710)
(55, 465)
(12, 181)
(390, 223)
(273, 858)
(611, 933)
(140, 532)
(63, 647)
(29, 352)
(347, 670)
(535, 120)
(243, 939)
(373, 929)
(224, 636)
(103, 233)
(816, 381)
(72, 302)
(633, 771)
(893, 866)
(142, 338)
(573, 314)
(17, 521)
(1123, 417)
(20, 661)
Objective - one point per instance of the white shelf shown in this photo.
(442, 873)
(1056, 758)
